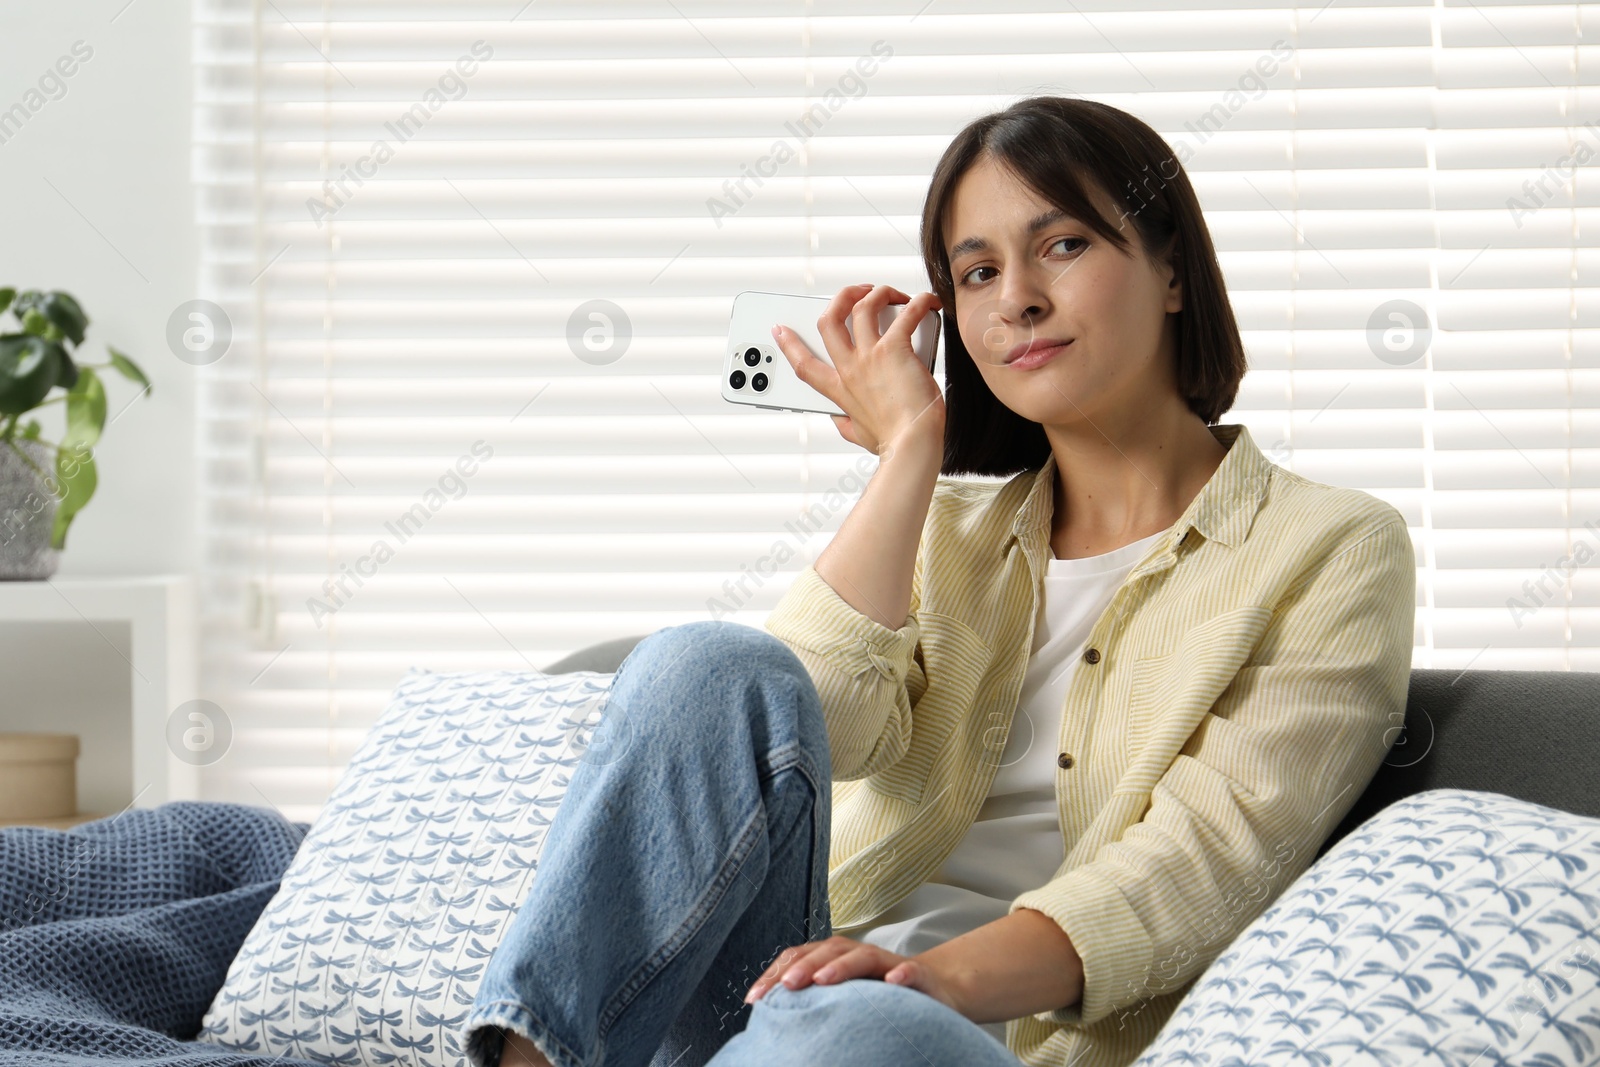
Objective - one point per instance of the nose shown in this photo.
(1024, 296)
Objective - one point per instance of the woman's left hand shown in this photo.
(837, 959)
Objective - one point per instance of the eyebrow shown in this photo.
(979, 244)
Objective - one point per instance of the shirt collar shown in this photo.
(1222, 511)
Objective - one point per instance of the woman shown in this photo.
(1060, 737)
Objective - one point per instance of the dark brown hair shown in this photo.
(1053, 144)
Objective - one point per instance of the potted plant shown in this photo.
(44, 484)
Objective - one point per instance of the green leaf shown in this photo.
(30, 430)
(29, 366)
(129, 368)
(67, 372)
(35, 323)
(59, 308)
(7, 294)
(62, 309)
(86, 411)
(76, 474)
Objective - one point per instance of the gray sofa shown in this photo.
(1533, 735)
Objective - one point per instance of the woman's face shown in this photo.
(1017, 285)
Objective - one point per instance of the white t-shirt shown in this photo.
(1015, 843)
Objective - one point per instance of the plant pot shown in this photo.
(27, 512)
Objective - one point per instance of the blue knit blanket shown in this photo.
(116, 935)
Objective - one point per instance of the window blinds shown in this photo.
(475, 262)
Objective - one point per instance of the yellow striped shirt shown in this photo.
(1236, 697)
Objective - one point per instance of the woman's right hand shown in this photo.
(879, 382)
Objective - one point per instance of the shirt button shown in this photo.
(1092, 656)
(1064, 761)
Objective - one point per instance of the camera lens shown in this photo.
(758, 382)
(736, 379)
(752, 356)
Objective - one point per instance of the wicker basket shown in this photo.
(38, 776)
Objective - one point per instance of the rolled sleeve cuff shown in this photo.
(487, 1025)
(1112, 942)
(811, 615)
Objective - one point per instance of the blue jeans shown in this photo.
(690, 849)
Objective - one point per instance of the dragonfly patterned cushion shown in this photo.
(1454, 927)
(373, 947)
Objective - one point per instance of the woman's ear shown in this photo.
(1174, 283)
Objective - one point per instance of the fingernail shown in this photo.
(777, 331)
(824, 975)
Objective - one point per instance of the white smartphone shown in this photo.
(755, 370)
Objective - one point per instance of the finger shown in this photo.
(865, 962)
(906, 972)
(846, 429)
(830, 324)
(807, 367)
(799, 973)
(788, 958)
(911, 317)
(864, 318)
(769, 977)
(791, 965)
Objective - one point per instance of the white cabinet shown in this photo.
(159, 614)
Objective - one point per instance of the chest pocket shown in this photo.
(1169, 695)
(955, 660)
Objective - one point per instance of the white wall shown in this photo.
(117, 231)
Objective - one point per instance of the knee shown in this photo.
(719, 664)
(895, 1023)
(714, 646)
(851, 1001)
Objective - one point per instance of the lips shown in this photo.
(1035, 352)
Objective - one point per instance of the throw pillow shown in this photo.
(1454, 926)
(373, 947)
